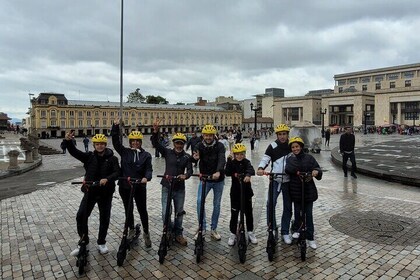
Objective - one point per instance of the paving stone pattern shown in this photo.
(38, 231)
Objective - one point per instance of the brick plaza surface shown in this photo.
(38, 232)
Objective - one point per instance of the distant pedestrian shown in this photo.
(86, 143)
(63, 146)
(347, 143)
(327, 137)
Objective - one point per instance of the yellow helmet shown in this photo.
(238, 148)
(296, 140)
(209, 129)
(135, 135)
(179, 137)
(281, 127)
(99, 138)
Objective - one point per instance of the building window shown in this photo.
(379, 78)
(96, 123)
(80, 114)
(88, 114)
(295, 114)
(43, 124)
(96, 114)
(104, 122)
(88, 123)
(43, 114)
(378, 86)
(53, 123)
(408, 74)
(341, 82)
(112, 114)
(53, 113)
(80, 123)
(104, 114)
(407, 83)
(63, 124)
(340, 89)
(353, 81)
(411, 116)
(393, 76)
(71, 114)
(63, 114)
(391, 84)
(71, 123)
(364, 87)
(365, 79)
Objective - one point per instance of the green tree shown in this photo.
(136, 97)
(151, 99)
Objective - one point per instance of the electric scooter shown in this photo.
(241, 236)
(273, 233)
(301, 242)
(199, 243)
(166, 233)
(81, 258)
(128, 242)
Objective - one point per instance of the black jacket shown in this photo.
(212, 158)
(234, 167)
(97, 167)
(134, 163)
(175, 163)
(347, 142)
(192, 142)
(304, 163)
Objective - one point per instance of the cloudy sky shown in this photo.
(183, 49)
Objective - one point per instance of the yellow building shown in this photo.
(52, 115)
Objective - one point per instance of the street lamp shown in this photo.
(255, 117)
(30, 112)
(366, 114)
(322, 121)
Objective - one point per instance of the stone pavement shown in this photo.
(365, 229)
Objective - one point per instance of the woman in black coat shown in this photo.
(302, 162)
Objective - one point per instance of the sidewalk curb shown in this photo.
(374, 172)
(24, 167)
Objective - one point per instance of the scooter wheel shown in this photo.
(121, 257)
(303, 250)
(81, 269)
(242, 255)
(161, 257)
(198, 252)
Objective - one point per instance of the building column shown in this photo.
(399, 118)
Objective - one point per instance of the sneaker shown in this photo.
(196, 235)
(252, 237)
(295, 235)
(353, 175)
(103, 249)
(286, 239)
(147, 240)
(75, 252)
(312, 244)
(232, 239)
(181, 240)
(215, 235)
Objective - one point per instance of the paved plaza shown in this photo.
(365, 228)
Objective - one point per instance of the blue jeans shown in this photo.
(217, 192)
(287, 207)
(178, 196)
(309, 219)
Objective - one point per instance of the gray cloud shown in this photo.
(185, 49)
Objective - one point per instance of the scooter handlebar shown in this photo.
(130, 179)
(169, 177)
(92, 183)
(203, 177)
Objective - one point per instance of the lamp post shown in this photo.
(322, 112)
(30, 112)
(255, 117)
(366, 115)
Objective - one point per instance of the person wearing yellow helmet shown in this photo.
(298, 163)
(100, 166)
(276, 154)
(135, 163)
(210, 155)
(239, 164)
(177, 163)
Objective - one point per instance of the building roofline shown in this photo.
(371, 71)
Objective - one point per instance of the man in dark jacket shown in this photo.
(135, 163)
(211, 154)
(101, 166)
(194, 140)
(347, 142)
(177, 163)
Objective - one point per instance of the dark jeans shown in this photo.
(309, 219)
(235, 202)
(352, 158)
(287, 207)
(86, 206)
(140, 198)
